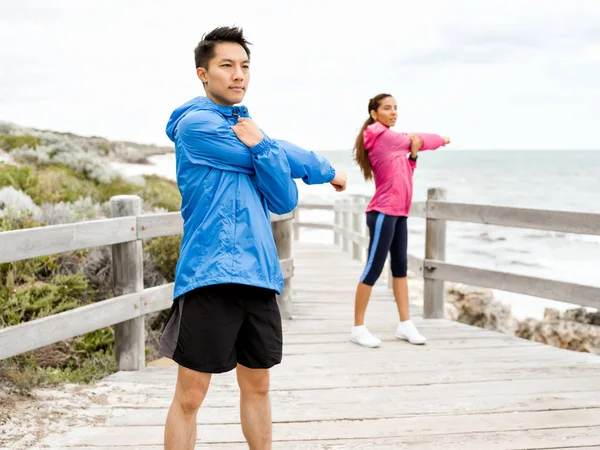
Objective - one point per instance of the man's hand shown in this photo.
(339, 182)
(247, 132)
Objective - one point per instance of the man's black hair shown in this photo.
(205, 50)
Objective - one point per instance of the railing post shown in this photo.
(346, 223)
(128, 277)
(337, 221)
(366, 231)
(282, 233)
(356, 227)
(296, 226)
(435, 248)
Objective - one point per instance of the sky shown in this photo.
(511, 74)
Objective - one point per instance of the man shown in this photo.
(230, 175)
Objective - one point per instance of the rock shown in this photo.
(582, 315)
(562, 333)
(476, 306)
(575, 329)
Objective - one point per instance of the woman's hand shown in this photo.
(446, 140)
(415, 144)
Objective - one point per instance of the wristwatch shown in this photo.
(413, 159)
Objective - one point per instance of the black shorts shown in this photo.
(211, 329)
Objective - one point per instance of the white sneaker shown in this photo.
(361, 336)
(407, 330)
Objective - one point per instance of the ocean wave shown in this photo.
(591, 239)
(524, 264)
(485, 236)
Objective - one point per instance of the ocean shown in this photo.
(557, 180)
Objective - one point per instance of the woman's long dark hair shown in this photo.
(360, 154)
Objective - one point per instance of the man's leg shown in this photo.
(180, 430)
(255, 407)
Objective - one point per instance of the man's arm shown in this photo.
(208, 140)
(307, 165)
(310, 167)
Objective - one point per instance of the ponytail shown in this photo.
(360, 154)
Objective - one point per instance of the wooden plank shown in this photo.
(538, 287)
(299, 405)
(401, 353)
(41, 241)
(169, 224)
(496, 391)
(316, 225)
(58, 327)
(282, 380)
(351, 236)
(360, 429)
(157, 298)
(561, 221)
(579, 438)
(322, 206)
(288, 410)
(155, 225)
(418, 209)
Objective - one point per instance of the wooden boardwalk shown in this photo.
(468, 388)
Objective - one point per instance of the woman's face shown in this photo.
(387, 113)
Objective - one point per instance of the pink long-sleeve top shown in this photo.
(392, 169)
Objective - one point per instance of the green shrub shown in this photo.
(165, 252)
(12, 141)
(21, 178)
(37, 299)
(161, 192)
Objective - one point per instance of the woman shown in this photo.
(390, 158)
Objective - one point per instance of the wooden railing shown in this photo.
(124, 232)
(350, 232)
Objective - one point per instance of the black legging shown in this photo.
(387, 234)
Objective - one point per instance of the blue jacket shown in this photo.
(227, 191)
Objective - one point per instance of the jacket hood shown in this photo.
(372, 132)
(200, 104)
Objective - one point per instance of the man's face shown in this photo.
(226, 79)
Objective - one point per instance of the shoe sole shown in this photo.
(364, 345)
(404, 338)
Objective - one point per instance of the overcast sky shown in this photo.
(490, 74)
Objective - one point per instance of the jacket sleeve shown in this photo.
(402, 142)
(430, 141)
(307, 165)
(274, 177)
(208, 140)
(412, 164)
